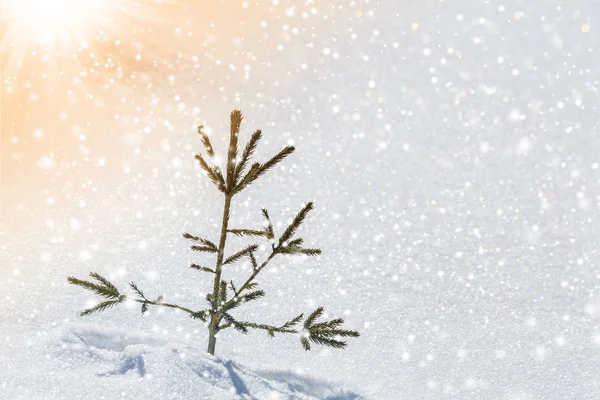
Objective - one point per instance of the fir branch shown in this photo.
(137, 290)
(287, 327)
(256, 271)
(324, 341)
(305, 342)
(257, 170)
(324, 333)
(213, 173)
(103, 281)
(310, 252)
(333, 324)
(206, 141)
(298, 250)
(275, 160)
(235, 123)
(235, 257)
(167, 305)
(248, 178)
(257, 294)
(295, 242)
(239, 326)
(101, 307)
(336, 332)
(204, 249)
(198, 239)
(248, 152)
(269, 227)
(247, 232)
(201, 268)
(293, 322)
(107, 291)
(312, 317)
(201, 315)
(293, 227)
(253, 260)
(157, 302)
(236, 301)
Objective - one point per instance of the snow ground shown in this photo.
(79, 361)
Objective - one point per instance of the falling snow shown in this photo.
(450, 148)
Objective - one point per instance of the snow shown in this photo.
(79, 361)
(451, 149)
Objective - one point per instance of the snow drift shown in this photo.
(91, 362)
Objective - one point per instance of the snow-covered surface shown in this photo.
(94, 362)
(451, 150)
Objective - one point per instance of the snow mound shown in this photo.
(90, 362)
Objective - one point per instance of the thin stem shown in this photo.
(256, 272)
(221, 249)
(216, 317)
(154, 303)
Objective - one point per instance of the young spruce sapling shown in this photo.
(227, 296)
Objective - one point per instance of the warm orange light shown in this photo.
(49, 22)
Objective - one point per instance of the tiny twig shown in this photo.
(256, 272)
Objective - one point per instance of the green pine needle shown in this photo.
(206, 141)
(279, 157)
(203, 242)
(248, 178)
(298, 250)
(235, 123)
(103, 281)
(312, 317)
(201, 268)
(107, 291)
(324, 333)
(137, 290)
(204, 249)
(269, 227)
(201, 315)
(248, 152)
(235, 257)
(305, 343)
(239, 326)
(293, 227)
(253, 261)
(257, 294)
(247, 232)
(295, 243)
(213, 173)
(100, 307)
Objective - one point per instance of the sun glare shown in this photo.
(47, 22)
(68, 40)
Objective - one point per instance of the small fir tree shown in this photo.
(226, 297)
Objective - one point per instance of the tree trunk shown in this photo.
(212, 339)
(216, 317)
